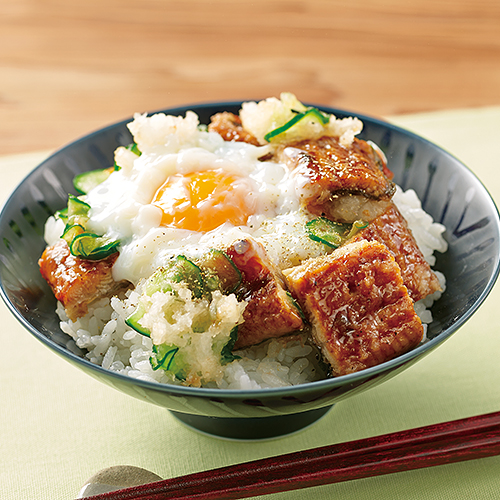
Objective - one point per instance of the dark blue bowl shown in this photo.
(448, 190)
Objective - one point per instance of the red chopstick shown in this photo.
(455, 441)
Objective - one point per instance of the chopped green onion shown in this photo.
(226, 354)
(324, 119)
(134, 148)
(131, 147)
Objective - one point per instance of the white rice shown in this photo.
(111, 343)
(429, 237)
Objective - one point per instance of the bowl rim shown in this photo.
(264, 393)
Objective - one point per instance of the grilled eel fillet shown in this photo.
(76, 282)
(360, 310)
(229, 127)
(339, 182)
(343, 183)
(270, 310)
(391, 229)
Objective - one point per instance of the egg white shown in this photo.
(121, 207)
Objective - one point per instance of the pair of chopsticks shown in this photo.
(449, 442)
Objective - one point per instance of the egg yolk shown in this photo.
(202, 201)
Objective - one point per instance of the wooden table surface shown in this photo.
(68, 67)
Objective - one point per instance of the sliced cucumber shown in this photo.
(62, 214)
(327, 232)
(296, 306)
(333, 234)
(77, 206)
(133, 321)
(87, 181)
(168, 358)
(165, 355)
(91, 246)
(71, 231)
(356, 227)
(311, 112)
(179, 270)
(171, 358)
(220, 271)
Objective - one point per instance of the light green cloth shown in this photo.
(59, 426)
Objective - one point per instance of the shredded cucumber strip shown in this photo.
(300, 116)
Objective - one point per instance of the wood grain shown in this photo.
(67, 67)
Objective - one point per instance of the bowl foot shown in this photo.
(251, 428)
